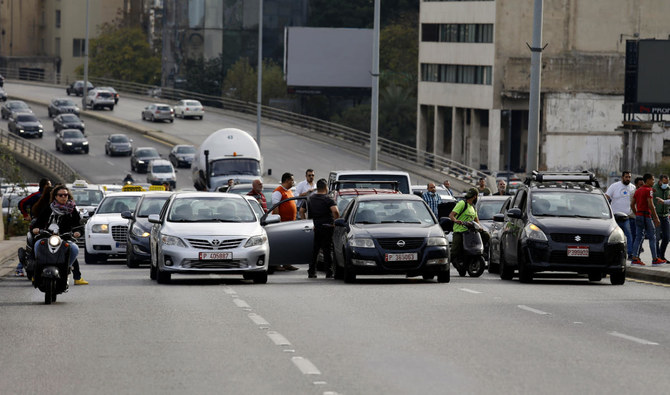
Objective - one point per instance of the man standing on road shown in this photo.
(305, 187)
(26, 204)
(620, 195)
(661, 191)
(447, 186)
(323, 211)
(645, 220)
(287, 210)
(432, 198)
(257, 192)
(502, 188)
(482, 188)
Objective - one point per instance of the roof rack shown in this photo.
(584, 176)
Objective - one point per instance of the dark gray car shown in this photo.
(118, 144)
(139, 160)
(13, 106)
(71, 140)
(62, 106)
(25, 125)
(67, 121)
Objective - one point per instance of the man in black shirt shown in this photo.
(323, 211)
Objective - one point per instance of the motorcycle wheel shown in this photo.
(476, 266)
(460, 268)
(50, 292)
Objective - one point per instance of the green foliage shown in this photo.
(357, 117)
(397, 114)
(9, 169)
(204, 76)
(241, 81)
(399, 52)
(123, 53)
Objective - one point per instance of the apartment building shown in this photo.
(474, 65)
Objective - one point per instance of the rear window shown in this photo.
(163, 108)
(105, 94)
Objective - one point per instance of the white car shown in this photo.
(106, 231)
(160, 171)
(189, 109)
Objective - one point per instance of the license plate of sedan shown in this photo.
(206, 256)
(578, 251)
(412, 256)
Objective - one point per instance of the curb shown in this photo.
(8, 256)
(653, 275)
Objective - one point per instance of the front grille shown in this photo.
(583, 239)
(214, 244)
(561, 257)
(411, 243)
(120, 233)
(402, 265)
(234, 264)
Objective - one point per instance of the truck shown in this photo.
(226, 154)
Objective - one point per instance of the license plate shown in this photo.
(410, 256)
(578, 251)
(205, 256)
(120, 245)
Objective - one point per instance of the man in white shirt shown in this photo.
(305, 187)
(620, 193)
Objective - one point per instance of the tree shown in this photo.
(241, 81)
(123, 53)
(204, 76)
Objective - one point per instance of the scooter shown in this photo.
(473, 262)
(52, 272)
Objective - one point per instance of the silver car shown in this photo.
(203, 232)
(158, 112)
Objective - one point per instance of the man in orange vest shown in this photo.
(288, 210)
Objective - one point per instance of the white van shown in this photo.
(402, 177)
(160, 171)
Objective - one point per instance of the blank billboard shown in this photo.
(653, 78)
(328, 57)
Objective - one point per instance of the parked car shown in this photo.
(68, 121)
(243, 189)
(140, 159)
(562, 222)
(189, 109)
(13, 106)
(62, 106)
(418, 190)
(182, 155)
(71, 140)
(158, 112)
(203, 232)
(495, 231)
(99, 99)
(160, 171)
(77, 88)
(106, 231)
(118, 144)
(389, 234)
(110, 89)
(342, 196)
(87, 197)
(25, 125)
(139, 228)
(3, 94)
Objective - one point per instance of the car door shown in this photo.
(513, 227)
(496, 232)
(340, 234)
(291, 242)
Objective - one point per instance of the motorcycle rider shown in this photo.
(26, 208)
(464, 211)
(128, 179)
(62, 211)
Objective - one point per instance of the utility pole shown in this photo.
(534, 99)
(259, 91)
(85, 90)
(374, 116)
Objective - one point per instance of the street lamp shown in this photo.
(374, 113)
(85, 90)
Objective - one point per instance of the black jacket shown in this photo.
(65, 222)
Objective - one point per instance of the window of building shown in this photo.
(78, 47)
(457, 32)
(456, 73)
(57, 18)
(57, 46)
(430, 32)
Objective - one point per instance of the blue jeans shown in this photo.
(644, 226)
(662, 236)
(630, 237)
(74, 251)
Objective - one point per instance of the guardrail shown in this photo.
(37, 154)
(397, 150)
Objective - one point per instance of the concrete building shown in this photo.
(475, 78)
(42, 39)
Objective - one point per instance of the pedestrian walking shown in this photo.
(661, 191)
(645, 220)
(431, 198)
(322, 209)
(287, 211)
(620, 195)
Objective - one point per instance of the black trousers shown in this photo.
(323, 237)
(76, 273)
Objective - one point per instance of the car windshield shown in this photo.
(242, 166)
(569, 204)
(17, 105)
(26, 118)
(69, 118)
(186, 149)
(118, 139)
(488, 208)
(118, 204)
(151, 205)
(392, 212)
(211, 209)
(147, 153)
(72, 134)
(86, 197)
(162, 169)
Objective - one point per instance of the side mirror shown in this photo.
(126, 215)
(445, 224)
(514, 213)
(340, 222)
(620, 217)
(154, 219)
(271, 219)
(91, 212)
(499, 218)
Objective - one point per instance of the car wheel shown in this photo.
(338, 273)
(525, 274)
(130, 257)
(86, 151)
(162, 277)
(428, 276)
(506, 272)
(444, 277)
(476, 266)
(106, 151)
(595, 277)
(152, 119)
(111, 108)
(348, 273)
(618, 278)
(201, 117)
(170, 120)
(57, 147)
(152, 267)
(261, 278)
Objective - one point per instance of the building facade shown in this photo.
(474, 65)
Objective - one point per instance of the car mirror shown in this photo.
(340, 222)
(499, 217)
(91, 212)
(176, 171)
(514, 213)
(620, 217)
(126, 215)
(154, 219)
(445, 224)
(271, 219)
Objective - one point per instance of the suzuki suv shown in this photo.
(562, 222)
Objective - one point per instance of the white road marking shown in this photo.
(532, 310)
(278, 338)
(241, 303)
(110, 163)
(257, 319)
(229, 291)
(305, 366)
(320, 383)
(288, 350)
(469, 291)
(633, 339)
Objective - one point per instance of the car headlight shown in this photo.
(437, 241)
(85, 143)
(533, 232)
(256, 241)
(40, 130)
(140, 162)
(20, 130)
(68, 143)
(617, 237)
(362, 243)
(139, 232)
(100, 228)
(172, 241)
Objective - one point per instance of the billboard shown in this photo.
(647, 81)
(317, 59)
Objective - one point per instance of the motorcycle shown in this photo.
(473, 262)
(51, 273)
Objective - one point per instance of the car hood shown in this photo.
(588, 226)
(72, 124)
(106, 219)
(163, 175)
(397, 230)
(195, 229)
(29, 124)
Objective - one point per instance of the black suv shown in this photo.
(562, 222)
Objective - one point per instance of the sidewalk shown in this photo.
(8, 254)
